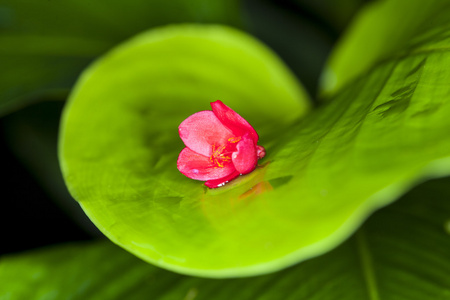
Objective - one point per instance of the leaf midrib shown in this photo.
(365, 260)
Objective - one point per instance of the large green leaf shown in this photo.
(121, 124)
(44, 45)
(380, 30)
(401, 253)
(318, 182)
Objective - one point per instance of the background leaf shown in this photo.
(319, 181)
(44, 46)
(379, 31)
(402, 246)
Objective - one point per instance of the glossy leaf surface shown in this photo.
(402, 246)
(44, 46)
(318, 182)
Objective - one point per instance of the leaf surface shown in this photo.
(402, 246)
(321, 176)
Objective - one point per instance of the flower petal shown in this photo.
(221, 181)
(260, 151)
(245, 158)
(231, 119)
(202, 130)
(200, 167)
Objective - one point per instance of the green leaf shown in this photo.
(45, 45)
(120, 142)
(400, 253)
(380, 30)
(320, 179)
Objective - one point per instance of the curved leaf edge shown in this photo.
(436, 169)
(137, 40)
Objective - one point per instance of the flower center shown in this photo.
(221, 155)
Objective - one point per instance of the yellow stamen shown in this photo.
(234, 139)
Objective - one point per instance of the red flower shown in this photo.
(220, 145)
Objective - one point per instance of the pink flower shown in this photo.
(220, 145)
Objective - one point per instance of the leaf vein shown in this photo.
(365, 259)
